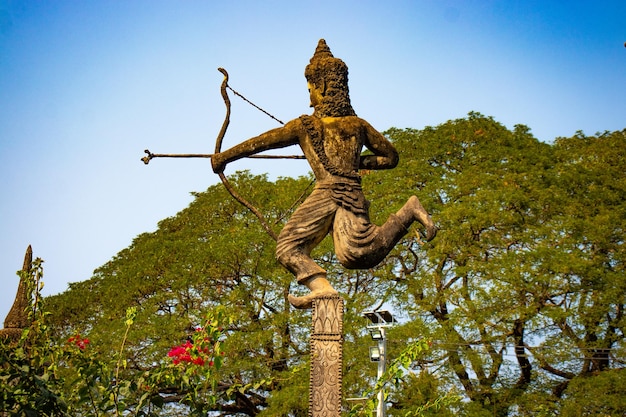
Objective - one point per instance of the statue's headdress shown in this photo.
(331, 73)
(322, 51)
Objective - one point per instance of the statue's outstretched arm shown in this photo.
(273, 139)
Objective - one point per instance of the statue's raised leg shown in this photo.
(359, 244)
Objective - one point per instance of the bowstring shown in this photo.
(254, 105)
(304, 193)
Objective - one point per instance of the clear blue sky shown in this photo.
(86, 86)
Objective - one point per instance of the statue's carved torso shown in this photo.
(342, 140)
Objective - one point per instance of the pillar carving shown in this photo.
(325, 392)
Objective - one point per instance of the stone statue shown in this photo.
(332, 139)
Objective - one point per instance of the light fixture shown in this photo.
(377, 334)
(379, 317)
(374, 354)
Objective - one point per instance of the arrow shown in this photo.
(150, 155)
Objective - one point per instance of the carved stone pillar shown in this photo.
(325, 390)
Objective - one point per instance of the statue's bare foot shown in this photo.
(422, 216)
(306, 301)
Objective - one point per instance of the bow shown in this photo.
(218, 149)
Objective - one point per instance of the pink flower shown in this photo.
(82, 344)
(176, 351)
(77, 341)
(198, 350)
(186, 353)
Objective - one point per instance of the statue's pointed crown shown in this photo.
(322, 51)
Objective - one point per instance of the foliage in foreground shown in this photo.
(43, 377)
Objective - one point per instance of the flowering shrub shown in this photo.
(187, 352)
(183, 353)
(44, 378)
(194, 365)
(199, 349)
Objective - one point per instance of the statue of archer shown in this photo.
(332, 140)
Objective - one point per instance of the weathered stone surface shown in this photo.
(325, 391)
(17, 319)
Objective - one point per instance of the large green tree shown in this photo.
(523, 291)
(521, 294)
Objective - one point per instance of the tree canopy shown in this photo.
(521, 295)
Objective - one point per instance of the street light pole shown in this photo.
(381, 319)
(382, 367)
